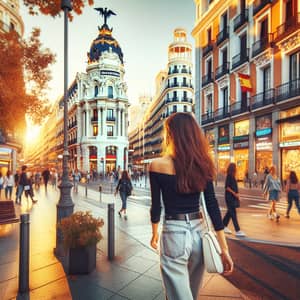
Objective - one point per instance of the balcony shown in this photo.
(207, 118)
(186, 99)
(223, 35)
(208, 48)
(175, 99)
(94, 119)
(239, 59)
(221, 113)
(290, 25)
(288, 90)
(175, 70)
(258, 5)
(261, 45)
(240, 20)
(208, 78)
(238, 108)
(222, 70)
(262, 99)
(175, 84)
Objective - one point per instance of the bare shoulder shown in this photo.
(162, 165)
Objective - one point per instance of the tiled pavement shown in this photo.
(133, 274)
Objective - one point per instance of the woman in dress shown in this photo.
(185, 169)
(271, 191)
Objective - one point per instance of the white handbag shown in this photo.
(210, 245)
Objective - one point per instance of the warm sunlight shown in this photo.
(32, 133)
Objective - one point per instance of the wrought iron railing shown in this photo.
(240, 58)
(240, 20)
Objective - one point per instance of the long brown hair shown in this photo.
(231, 169)
(125, 175)
(188, 147)
(293, 177)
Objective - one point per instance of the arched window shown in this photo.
(110, 92)
(96, 91)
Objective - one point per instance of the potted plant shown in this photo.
(81, 233)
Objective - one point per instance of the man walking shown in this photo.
(46, 176)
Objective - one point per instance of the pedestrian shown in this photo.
(76, 180)
(37, 180)
(54, 179)
(17, 178)
(1, 183)
(28, 189)
(232, 200)
(292, 188)
(9, 183)
(271, 191)
(46, 177)
(254, 179)
(22, 182)
(124, 187)
(184, 170)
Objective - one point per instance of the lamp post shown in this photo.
(65, 205)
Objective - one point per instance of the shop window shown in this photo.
(241, 128)
(95, 130)
(110, 130)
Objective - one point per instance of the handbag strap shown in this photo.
(206, 216)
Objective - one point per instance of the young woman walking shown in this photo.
(271, 191)
(232, 199)
(185, 169)
(124, 187)
(9, 183)
(292, 188)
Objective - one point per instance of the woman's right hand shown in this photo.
(227, 263)
(154, 240)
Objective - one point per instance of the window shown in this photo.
(175, 81)
(95, 114)
(110, 114)
(243, 44)
(174, 108)
(208, 67)
(110, 130)
(295, 66)
(96, 91)
(224, 22)
(208, 35)
(225, 100)
(184, 108)
(244, 103)
(185, 95)
(110, 92)
(266, 78)
(174, 95)
(264, 29)
(184, 81)
(209, 105)
(95, 130)
(224, 57)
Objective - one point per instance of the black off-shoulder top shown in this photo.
(177, 203)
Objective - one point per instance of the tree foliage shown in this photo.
(53, 7)
(24, 75)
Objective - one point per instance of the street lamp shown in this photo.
(65, 205)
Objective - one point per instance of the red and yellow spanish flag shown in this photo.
(245, 82)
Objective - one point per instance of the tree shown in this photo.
(52, 7)
(24, 75)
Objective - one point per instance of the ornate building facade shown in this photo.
(97, 110)
(174, 93)
(256, 124)
(10, 142)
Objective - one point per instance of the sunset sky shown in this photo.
(143, 29)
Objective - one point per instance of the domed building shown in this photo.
(98, 108)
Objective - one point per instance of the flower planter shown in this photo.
(82, 260)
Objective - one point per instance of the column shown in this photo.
(252, 150)
(119, 122)
(88, 122)
(99, 121)
(275, 142)
(119, 161)
(122, 123)
(126, 124)
(104, 122)
(86, 158)
(79, 123)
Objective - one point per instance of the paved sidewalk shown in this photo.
(133, 274)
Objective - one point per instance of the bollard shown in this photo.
(111, 230)
(24, 254)
(86, 190)
(100, 190)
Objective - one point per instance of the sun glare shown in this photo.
(32, 133)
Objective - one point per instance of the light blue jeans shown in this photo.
(181, 258)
